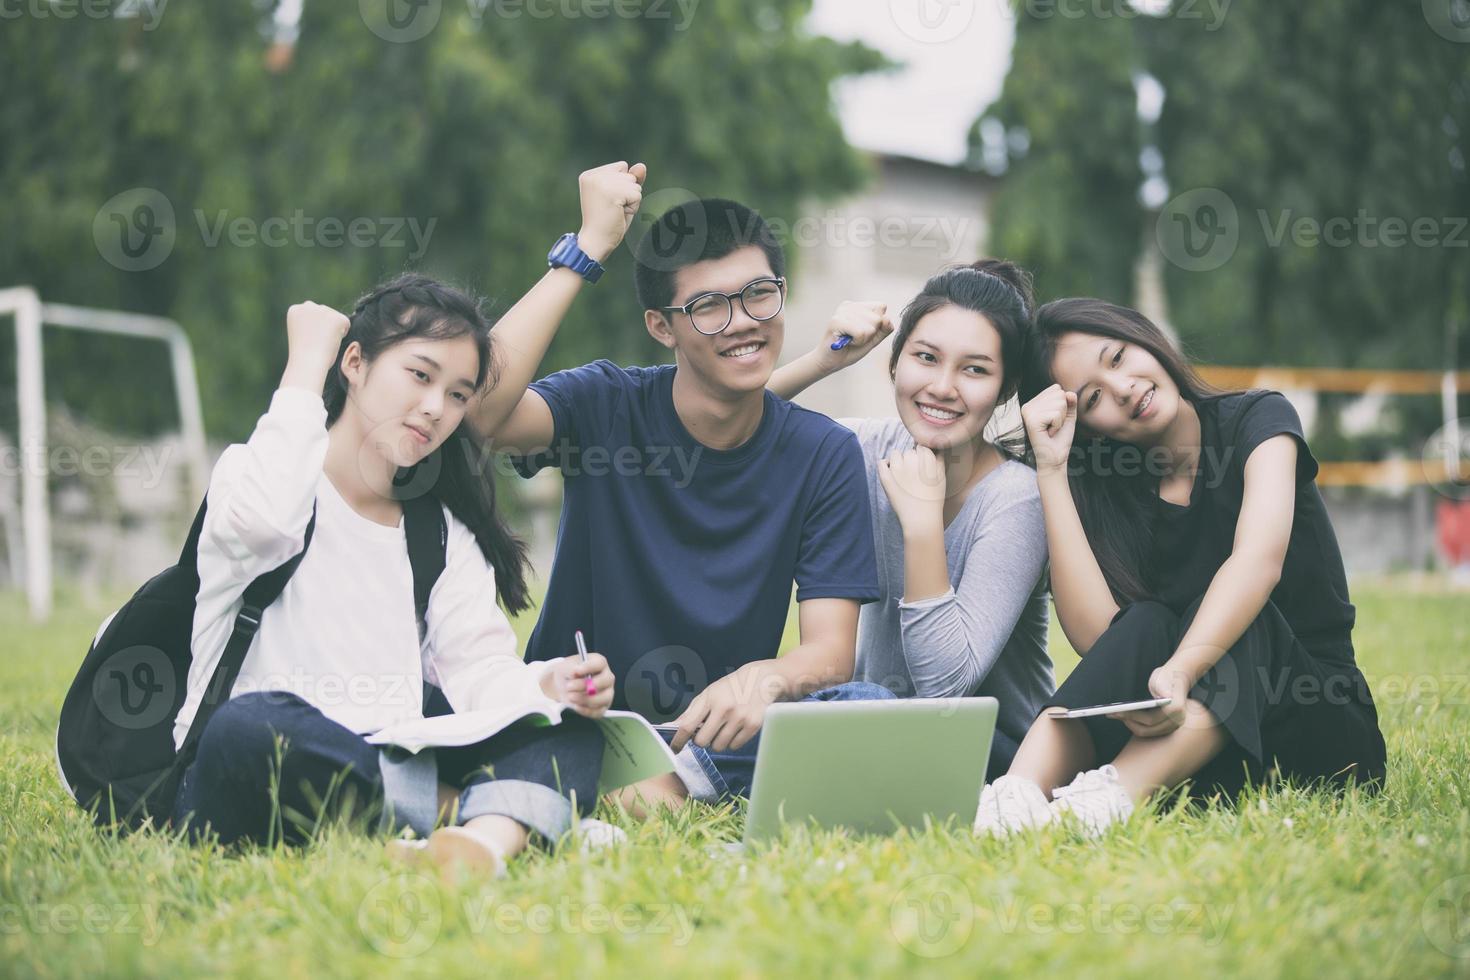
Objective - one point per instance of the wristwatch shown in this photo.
(567, 254)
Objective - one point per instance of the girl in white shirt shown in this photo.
(367, 415)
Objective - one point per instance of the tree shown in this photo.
(1333, 130)
(1068, 208)
(475, 131)
(1346, 122)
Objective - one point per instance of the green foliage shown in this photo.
(1355, 111)
(1067, 207)
(1292, 110)
(480, 127)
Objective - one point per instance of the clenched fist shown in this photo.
(1051, 425)
(313, 336)
(867, 323)
(915, 483)
(611, 195)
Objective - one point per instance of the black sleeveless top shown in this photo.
(1191, 542)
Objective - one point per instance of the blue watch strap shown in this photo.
(566, 253)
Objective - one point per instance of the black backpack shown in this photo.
(115, 738)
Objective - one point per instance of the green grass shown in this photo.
(1286, 884)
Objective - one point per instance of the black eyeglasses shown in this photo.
(712, 312)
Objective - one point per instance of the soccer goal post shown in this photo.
(30, 315)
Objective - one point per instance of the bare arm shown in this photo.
(790, 380)
(1085, 605)
(1243, 584)
(866, 323)
(828, 649)
(513, 417)
(1239, 590)
(507, 413)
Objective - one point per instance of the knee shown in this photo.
(245, 728)
(855, 691)
(1146, 616)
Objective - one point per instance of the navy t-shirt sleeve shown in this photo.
(579, 398)
(1266, 416)
(837, 559)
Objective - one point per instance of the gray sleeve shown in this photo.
(952, 641)
(866, 430)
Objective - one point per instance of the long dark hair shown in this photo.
(410, 307)
(1114, 497)
(998, 290)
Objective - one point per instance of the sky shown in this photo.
(952, 58)
(954, 55)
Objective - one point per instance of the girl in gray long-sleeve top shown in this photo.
(956, 517)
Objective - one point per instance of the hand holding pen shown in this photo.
(584, 682)
(862, 325)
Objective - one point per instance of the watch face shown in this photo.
(565, 250)
(566, 253)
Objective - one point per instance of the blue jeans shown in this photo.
(713, 776)
(270, 766)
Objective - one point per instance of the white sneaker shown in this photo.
(1009, 804)
(1095, 798)
(597, 835)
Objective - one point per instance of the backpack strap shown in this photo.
(189, 557)
(259, 594)
(428, 539)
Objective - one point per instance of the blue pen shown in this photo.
(842, 341)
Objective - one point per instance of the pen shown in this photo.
(842, 341)
(582, 652)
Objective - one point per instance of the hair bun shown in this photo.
(1011, 274)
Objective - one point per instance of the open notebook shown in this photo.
(634, 751)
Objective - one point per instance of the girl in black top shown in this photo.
(1191, 558)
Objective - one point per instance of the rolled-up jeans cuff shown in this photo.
(537, 807)
(697, 771)
(410, 790)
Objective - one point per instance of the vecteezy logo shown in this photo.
(1199, 230)
(415, 475)
(1446, 917)
(1450, 19)
(677, 241)
(401, 915)
(1446, 460)
(400, 21)
(932, 916)
(932, 21)
(663, 681)
(134, 688)
(135, 230)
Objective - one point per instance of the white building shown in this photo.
(913, 220)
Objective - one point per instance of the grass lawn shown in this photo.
(1286, 884)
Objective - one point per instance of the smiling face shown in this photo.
(413, 395)
(948, 376)
(1123, 392)
(739, 359)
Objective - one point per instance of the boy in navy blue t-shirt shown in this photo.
(693, 498)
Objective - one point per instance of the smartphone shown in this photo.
(1117, 707)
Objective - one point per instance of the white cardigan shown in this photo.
(342, 635)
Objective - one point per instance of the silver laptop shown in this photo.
(871, 766)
